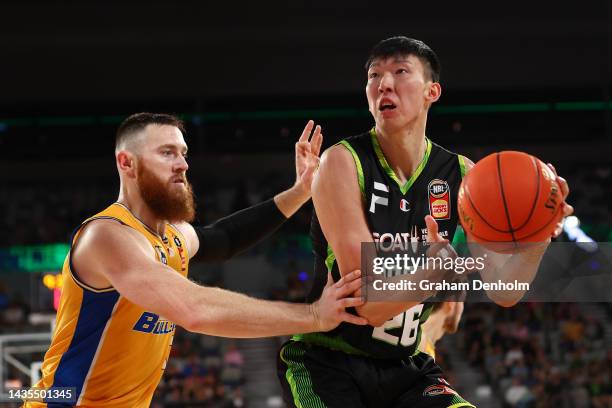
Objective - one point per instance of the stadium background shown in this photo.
(246, 77)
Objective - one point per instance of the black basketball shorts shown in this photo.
(317, 377)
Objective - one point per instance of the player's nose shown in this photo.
(180, 165)
(386, 82)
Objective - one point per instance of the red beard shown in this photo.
(173, 205)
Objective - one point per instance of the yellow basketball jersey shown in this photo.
(108, 348)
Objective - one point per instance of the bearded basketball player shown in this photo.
(125, 276)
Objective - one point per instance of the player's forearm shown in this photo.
(213, 311)
(223, 313)
(238, 231)
(521, 267)
(289, 201)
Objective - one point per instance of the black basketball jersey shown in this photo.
(393, 212)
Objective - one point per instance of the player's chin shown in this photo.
(390, 123)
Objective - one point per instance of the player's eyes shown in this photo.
(166, 152)
(401, 71)
(372, 75)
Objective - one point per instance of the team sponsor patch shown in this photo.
(439, 199)
(404, 205)
(438, 389)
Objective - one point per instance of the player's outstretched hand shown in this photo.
(307, 151)
(329, 311)
(567, 209)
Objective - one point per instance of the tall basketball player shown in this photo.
(381, 182)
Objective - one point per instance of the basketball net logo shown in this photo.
(439, 199)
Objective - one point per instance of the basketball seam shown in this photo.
(537, 195)
(501, 188)
(467, 193)
(555, 215)
(487, 240)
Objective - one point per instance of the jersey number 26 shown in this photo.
(410, 319)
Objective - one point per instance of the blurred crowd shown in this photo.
(541, 355)
(202, 371)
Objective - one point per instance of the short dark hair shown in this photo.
(399, 46)
(138, 121)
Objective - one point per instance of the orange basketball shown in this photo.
(509, 198)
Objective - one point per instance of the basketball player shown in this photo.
(125, 276)
(389, 180)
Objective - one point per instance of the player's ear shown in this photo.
(433, 92)
(126, 163)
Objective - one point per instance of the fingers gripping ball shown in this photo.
(509, 198)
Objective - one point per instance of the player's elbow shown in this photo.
(504, 299)
(211, 322)
(200, 324)
(375, 317)
(506, 302)
(376, 321)
(192, 323)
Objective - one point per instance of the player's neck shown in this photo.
(404, 148)
(141, 210)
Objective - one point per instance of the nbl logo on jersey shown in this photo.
(439, 199)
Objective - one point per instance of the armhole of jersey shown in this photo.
(461, 165)
(182, 238)
(72, 271)
(360, 178)
(330, 259)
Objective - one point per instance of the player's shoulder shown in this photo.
(335, 161)
(105, 247)
(108, 233)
